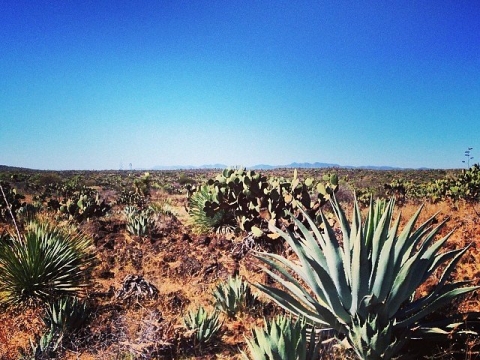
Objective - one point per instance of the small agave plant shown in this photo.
(139, 223)
(283, 339)
(364, 286)
(206, 326)
(66, 315)
(234, 296)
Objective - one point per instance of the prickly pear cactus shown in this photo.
(257, 201)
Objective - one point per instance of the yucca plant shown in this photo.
(201, 222)
(43, 264)
(206, 326)
(283, 339)
(233, 296)
(365, 286)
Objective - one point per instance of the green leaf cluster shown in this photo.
(201, 221)
(234, 296)
(139, 223)
(283, 339)
(46, 263)
(205, 326)
(256, 201)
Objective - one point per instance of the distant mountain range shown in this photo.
(294, 165)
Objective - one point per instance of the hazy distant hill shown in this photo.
(14, 168)
(294, 165)
(187, 167)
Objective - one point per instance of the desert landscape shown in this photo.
(168, 264)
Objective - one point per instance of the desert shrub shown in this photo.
(234, 296)
(183, 180)
(283, 339)
(142, 185)
(364, 287)
(162, 208)
(83, 204)
(467, 185)
(131, 198)
(46, 263)
(463, 186)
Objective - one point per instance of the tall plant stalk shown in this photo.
(9, 207)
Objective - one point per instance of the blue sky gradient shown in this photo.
(100, 84)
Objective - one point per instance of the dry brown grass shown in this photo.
(17, 327)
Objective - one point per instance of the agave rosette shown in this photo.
(364, 286)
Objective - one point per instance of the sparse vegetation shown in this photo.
(146, 281)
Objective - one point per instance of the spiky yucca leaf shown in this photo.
(45, 264)
(363, 286)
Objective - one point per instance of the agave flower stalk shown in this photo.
(364, 286)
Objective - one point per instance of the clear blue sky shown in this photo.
(97, 84)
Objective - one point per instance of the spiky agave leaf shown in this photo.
(282, 339)
(363, 287)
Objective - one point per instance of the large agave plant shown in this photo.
(47, 262)
(364, 286)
